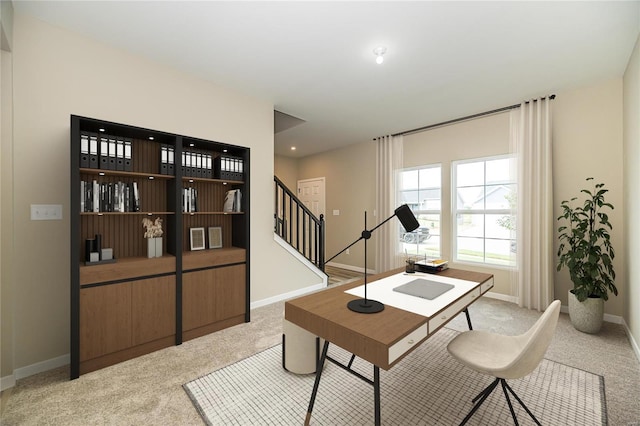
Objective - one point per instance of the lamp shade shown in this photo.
(406, 218)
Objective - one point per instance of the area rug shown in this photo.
(428, 387)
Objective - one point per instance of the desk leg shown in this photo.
(317, 382)
(376, 393)
(466, 312)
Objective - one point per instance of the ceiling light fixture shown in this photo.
(379, 52)
(293, 148)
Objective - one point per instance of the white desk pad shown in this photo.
(382, 291)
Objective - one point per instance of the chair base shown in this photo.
(484, 394)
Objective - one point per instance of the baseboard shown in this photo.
(43, 366)
(39, 367)
(7, 382)
(289, 295)
(500, 296)
(632, 341)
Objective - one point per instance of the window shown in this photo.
(484, 204)
(420, 189)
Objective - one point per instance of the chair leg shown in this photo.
(483, 396)
(506, 395)
(505, 384)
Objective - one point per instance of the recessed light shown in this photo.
(293, 148)
(101, 130)
(379, 52)
(192, 145)
(225, 150)
(150, 138)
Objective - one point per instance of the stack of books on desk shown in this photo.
(432, 266)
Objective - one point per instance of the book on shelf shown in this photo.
(233, 201)
(100, 197)
(189, 200)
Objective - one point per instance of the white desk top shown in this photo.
(382, 291)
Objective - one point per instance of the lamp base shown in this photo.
(365, 306)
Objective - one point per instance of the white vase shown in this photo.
(158, 241)
(151, 247)
(586, 316)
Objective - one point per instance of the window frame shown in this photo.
(481, 212)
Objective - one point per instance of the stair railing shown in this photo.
(298, 226)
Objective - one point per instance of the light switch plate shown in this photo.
(46, 212)
(336, 212)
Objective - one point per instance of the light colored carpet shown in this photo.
(148, 390)
(427, 388)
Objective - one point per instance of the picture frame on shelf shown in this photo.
(196, 238)
(215, 237)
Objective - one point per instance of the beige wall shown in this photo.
(479, 138)
(587, 142)
(58, 73)
(631, 153)
(350, 188)
(286, 169)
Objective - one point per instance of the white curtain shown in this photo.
(388, 162)
(531, 142)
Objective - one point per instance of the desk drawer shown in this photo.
(412, 339)
(453, 310)
(486, 286)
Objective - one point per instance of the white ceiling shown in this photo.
(314, 60)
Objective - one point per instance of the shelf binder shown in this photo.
(170, 160)
(227, 167)
(208, 166)
(84, 150)
(104, 152)
(112, 153)
(164, 160)
(128, 165)
(94, 159)
(198, 168)
(120, 154)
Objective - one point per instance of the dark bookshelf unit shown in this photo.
(135, 304)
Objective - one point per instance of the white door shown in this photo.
(311, 193)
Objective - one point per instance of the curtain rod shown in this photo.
(469, 117)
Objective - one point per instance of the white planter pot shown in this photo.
(154, 247)
(586, 316)
(151, 248)
(158, 241)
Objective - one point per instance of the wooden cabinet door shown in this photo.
(105, 320)
(212, 295)
(153, 309)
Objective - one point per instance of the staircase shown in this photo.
(298, 226)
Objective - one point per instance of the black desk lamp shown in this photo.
(409, 223)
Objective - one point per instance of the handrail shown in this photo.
(295, 222)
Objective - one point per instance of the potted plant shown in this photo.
(585, 250)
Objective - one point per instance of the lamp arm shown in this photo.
(383, 222)
(343, 250)
(364, 236)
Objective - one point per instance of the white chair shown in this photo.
(505, 357)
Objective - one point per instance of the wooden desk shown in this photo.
(383, 338)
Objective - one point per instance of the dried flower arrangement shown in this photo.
(153, 229)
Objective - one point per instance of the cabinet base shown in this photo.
(210, 328)
(126, 354)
